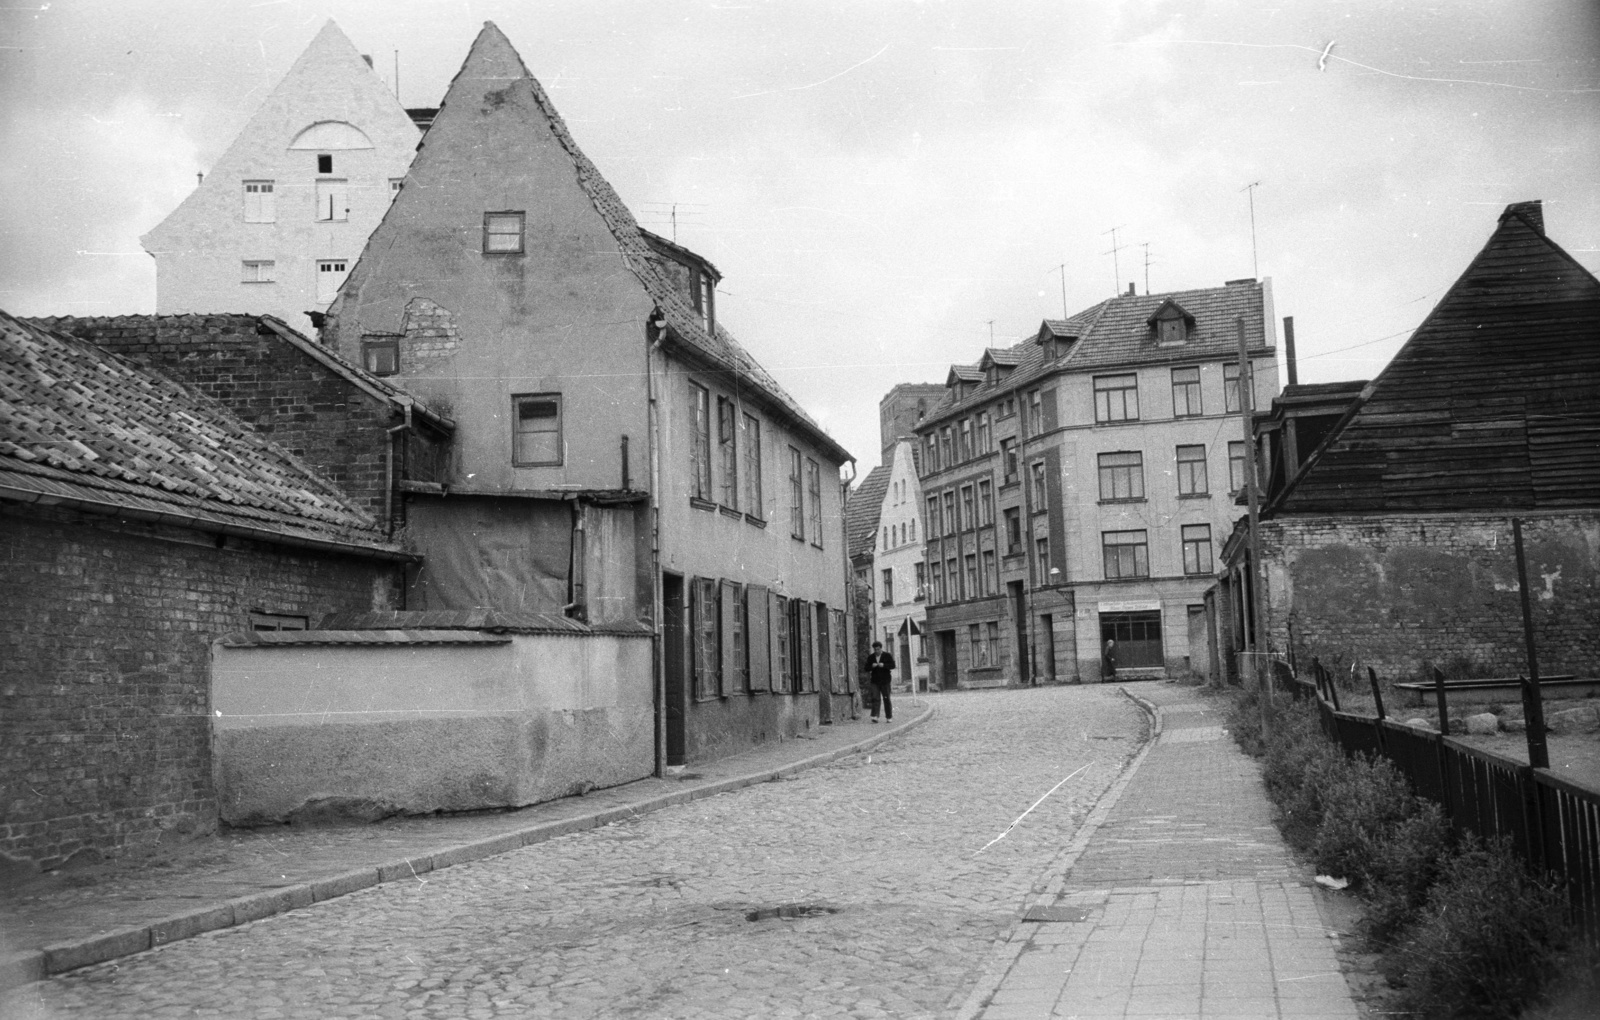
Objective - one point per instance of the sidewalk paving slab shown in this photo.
(62, 921)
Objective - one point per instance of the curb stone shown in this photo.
(1009, 946)
(18, 969)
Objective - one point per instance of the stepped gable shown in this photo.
(1493, 403)
(866, 506)
(84, 426)
(492, 67)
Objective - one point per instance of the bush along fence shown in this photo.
(1554, 825)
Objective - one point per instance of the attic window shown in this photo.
(325, 163)
(502, 233)
(705, 300)
(1170, 325)
(381, 357)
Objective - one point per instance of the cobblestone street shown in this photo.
(895, 852)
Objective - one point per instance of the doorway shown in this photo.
(1138, 638)
(1019, 613)
(1047, 623)
(673, 643)
(947, 660)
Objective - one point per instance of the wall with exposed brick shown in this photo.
(1399, 592)
(289, 397)
(105, 737)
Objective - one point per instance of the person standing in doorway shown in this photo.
(880, 671)
(1111, 660)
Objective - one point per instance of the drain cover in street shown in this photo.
(790, 910)
(1056, 914)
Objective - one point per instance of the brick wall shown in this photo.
(1400, 592)
(292, 399)
(105, 669)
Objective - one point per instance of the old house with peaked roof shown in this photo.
(1075, 485)
(274, 225)
(618, 456)
(1386, 528)
(141, 520)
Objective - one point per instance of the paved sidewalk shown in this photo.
(56, 923)
(1177, 898)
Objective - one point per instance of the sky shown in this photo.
(889, 187)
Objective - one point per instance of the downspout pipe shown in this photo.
(658, 652)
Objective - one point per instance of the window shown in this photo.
(502, 233)
(885, 545)
(736, 671)
(728, 451)
(1036, 413)
(935, 526)
(1171, 327)
(953, 578)
(980, 638)
(922, 581)
(946, 452)
(330, 276)
(260, 202)
(1116, 397)
(752, 467)
(1041, 550)
(1186, 392)
(973, 590)
(1008, 459)
(966, 439)
(381, 357)
(1013, 531)
(930, 453)
(537, 440)
(259, 271)
(394, 185)
(325, 163)
(703, 300)
(814, 493)
(797, 499)
(1197, 548)
(1041, 501)
(1230, 387)
(333, 199)
(1122, 476)
(984, 443)
(705, 645)
(969, 519)
(991, 576)
(780, 644)
(886, 596)
(1127, 554)
(278, 621)
(985, 503)
(700, 445)
(1236, 475)
(913, 529)
(952, 523)
(937, 594)
(1192, 471)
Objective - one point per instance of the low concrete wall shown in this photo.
(396, 725)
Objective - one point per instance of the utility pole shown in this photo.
(1116, 268)
(1246, 414)
(1250, 189)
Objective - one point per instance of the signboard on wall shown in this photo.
(1144, 606)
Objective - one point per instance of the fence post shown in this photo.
(1333, 687)
(1438, 690)
(1377, 699)
(1533, 717)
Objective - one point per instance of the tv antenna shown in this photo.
(1255, 267)
(1146, 246)
(1116, 268)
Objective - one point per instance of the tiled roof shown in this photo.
(492, 50)
(1492, 404)
(1005, 355)
(80, 424)
(1115, 333)
(494, 620)
(260, 638)
(865, 507)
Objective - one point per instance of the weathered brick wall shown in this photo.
(1400, 592)
(296, 402)
(105, 669)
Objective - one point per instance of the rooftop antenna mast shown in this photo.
(1063, 290)
(397, 75)
(1146, 246)
(1116, 268)
(1255, 267)
(991, 332)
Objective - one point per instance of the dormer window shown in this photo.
(1170, 325)
(704, 293)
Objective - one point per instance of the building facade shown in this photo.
(901, 573)
(618, 455)
(275, 225)
(1076, 487)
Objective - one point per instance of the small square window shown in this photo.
(394, 185)
(502, 233)
(330, 277)
(536, 440)
(381, 357)
(259, 202)
(259, 271)
(325, 163)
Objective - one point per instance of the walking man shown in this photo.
(880, 670)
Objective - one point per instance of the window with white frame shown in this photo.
(1126, 553)
(985, 502)
(1186, 392)
(728, 451)
(1116, 397)
(259, 271)
(1121, 476)
(1236, 466)
(700, 443)
(503, 233)
(536, 441)
(797, 497)
(1041, 496)
(1230, 387)
(752, 467)
(1197, 548)
(333, 199)
(381, 356)
(260, 202)
(886, 596)
(330, 277)
(1192, 471)
(814, 494)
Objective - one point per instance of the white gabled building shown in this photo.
(275, 225)
(901, 581)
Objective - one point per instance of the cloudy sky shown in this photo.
(886, 185)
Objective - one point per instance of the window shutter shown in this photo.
(759, 639)
(824, 649)
(1048, 398)
(705, 645)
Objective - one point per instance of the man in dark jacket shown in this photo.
(880, 670)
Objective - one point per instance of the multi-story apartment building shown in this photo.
(1075, 486)
(275, 225)
(902, 583)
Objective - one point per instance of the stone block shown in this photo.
(191, 923)
(18, 969)
(342, 884)
(65, 956)
(396, 871)
(269, 902)
(1420, 724)
(1483, 723)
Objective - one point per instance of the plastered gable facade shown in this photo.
(586, 313)
(266, 201)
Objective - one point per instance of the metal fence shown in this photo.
(1552, 823)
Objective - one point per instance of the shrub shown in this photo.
(1487, 941)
